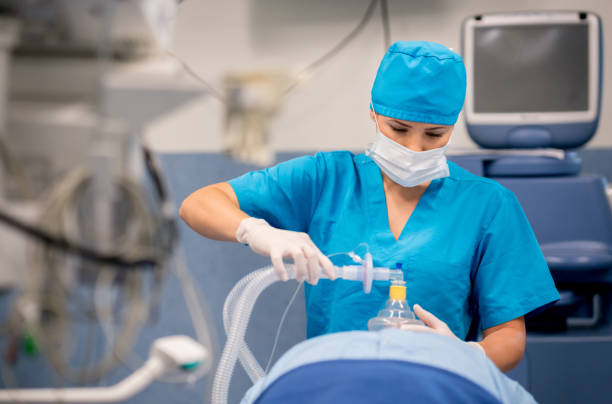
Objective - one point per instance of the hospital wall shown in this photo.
(330, 110)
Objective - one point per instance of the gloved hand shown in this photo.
(438, 326)
(278, 244)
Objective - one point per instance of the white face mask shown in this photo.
(404, 166)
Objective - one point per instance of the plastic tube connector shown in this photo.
(366, 273)
(397, 292)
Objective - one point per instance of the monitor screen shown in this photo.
(540, 68)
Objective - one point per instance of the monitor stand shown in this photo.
(519, 163)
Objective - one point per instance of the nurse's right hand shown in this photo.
(278, 244)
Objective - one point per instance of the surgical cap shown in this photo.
(420, 82)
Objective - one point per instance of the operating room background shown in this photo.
(328, 112)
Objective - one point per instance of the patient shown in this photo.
(387, 366)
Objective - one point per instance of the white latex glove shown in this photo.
(278, 244)
(438, 326)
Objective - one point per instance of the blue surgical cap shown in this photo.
(420, 82)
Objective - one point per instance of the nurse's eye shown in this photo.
(398, 129)
(434, 134)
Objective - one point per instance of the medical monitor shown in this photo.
(534, 78)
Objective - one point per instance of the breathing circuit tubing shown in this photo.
(239, 306)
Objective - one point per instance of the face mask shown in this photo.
(404, 166)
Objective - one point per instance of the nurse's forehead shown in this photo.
(412, 124)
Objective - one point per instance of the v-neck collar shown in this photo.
(378, 213)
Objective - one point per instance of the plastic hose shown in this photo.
(237, 311)
(260, 280)
(247, 359)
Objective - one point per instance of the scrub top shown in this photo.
(466, 249)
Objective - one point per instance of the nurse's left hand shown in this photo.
(438, 326)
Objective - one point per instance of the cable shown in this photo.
(46, 293)
(280, 326)
(346, 40)
(384, 13)
(213, 91)
(167, 207)
(339, 46)
(200, 319)
(61, 258)
(87, 253)
(317, 62)
(155, 172)
(352, 255)
(197, 311)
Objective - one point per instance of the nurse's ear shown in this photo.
(372, 117)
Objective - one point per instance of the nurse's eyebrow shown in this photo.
(408, 126)
(401, 123)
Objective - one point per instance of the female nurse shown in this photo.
(463, 241)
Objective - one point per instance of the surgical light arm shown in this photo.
(175, 353)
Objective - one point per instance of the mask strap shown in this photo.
(375, 118)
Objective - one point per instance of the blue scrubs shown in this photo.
(466, 248)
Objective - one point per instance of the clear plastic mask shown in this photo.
(397, 312)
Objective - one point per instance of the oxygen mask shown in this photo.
(397, 312)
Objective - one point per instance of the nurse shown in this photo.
(463, 242)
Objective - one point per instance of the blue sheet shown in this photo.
(456, 370)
